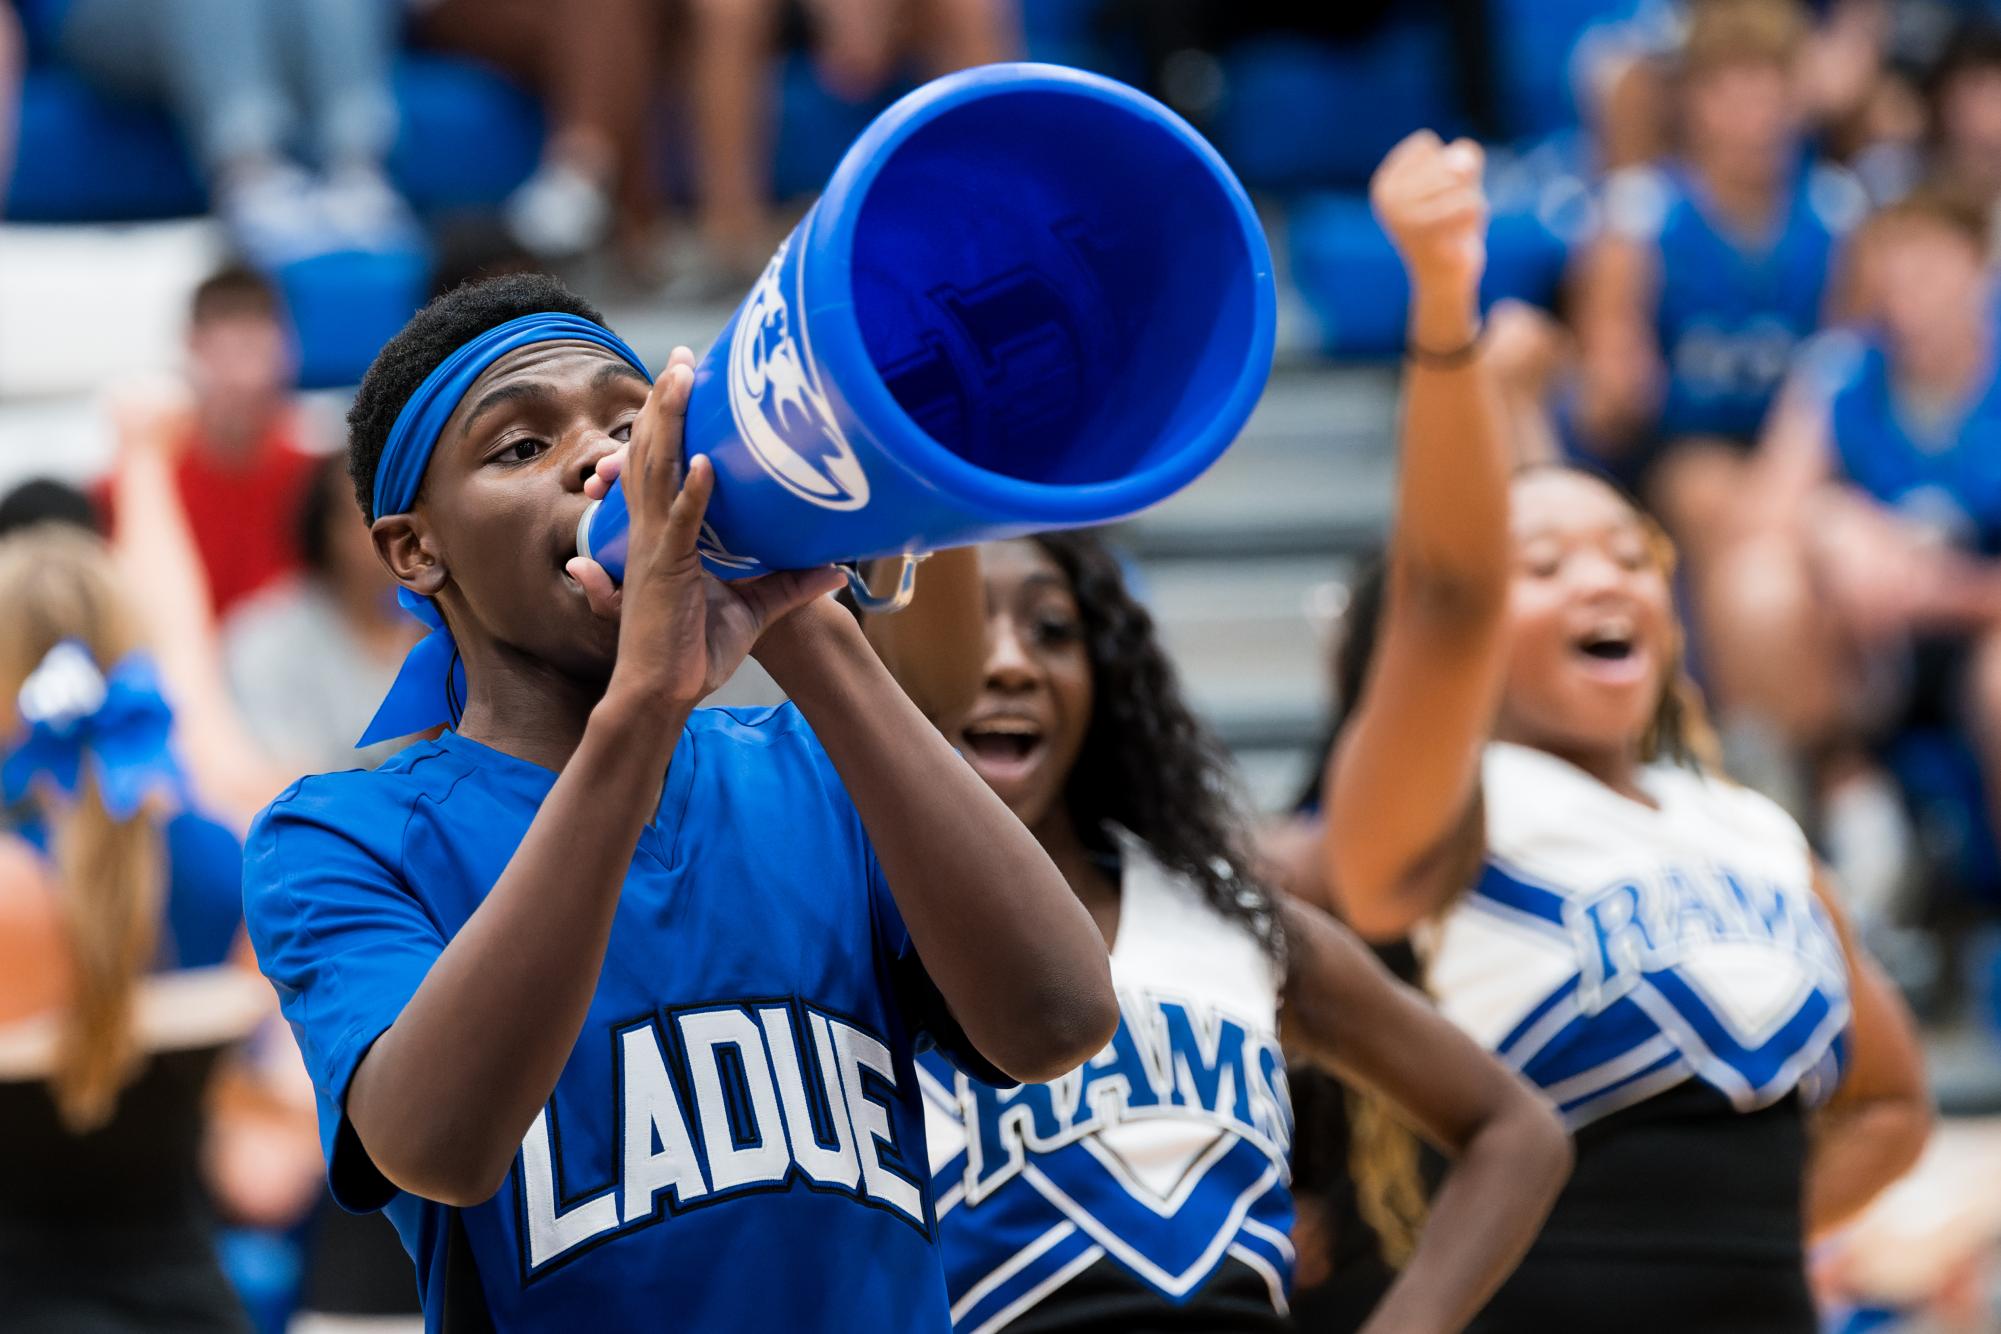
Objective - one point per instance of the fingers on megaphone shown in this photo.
(655, 451)
(612, 466)
(684, 519)
(602, 595)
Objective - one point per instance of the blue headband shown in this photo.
(118, 724)
(432, 677)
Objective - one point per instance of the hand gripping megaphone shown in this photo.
(1029, 298)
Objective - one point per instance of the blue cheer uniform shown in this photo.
(1666, 976)
(1936, 466)
(1944, 473)
(737, 1139)
(1151, 1187)
(1732, 310)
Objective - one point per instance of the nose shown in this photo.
(1010, 667)
(596, 445)
(1595, 573)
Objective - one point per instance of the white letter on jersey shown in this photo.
(651, 1109)
(859, 1051)
(830, 1167)
(704, 1035)
(551, 1233)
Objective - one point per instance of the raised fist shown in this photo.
(1427, 195)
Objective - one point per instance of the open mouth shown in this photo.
(1006, 741)
(1607, 648)
(1611, 651)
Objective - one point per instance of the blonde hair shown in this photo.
(58, 583)
(1733, 32)
(1390, 1191)
(1680, 730)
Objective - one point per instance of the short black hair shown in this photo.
(434, 333)
(44, 500)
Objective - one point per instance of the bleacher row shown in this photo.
(1303, 121)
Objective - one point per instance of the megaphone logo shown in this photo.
(781, 412)
(710, 547)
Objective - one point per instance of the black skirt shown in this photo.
(1682, 1214)
(108, 1232)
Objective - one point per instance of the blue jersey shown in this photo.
(737, 1139)
(1149, 1188)
(1732, 310)
(1944, 473)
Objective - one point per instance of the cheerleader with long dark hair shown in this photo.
(1150, 1188)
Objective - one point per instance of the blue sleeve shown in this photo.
(343, 940)
(204, 891)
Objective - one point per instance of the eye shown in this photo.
(1541, 561)
(1630, 551)
(1054, 627)
(623, 431)
(520, 451)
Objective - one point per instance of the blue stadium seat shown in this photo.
(468, 138)
(815, 127)
(346, 305)
(1065, 32)
(85, 157)
(1062, 32)
(1534, 41)
(1345, 268)
(1298, 114)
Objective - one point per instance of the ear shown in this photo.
(406, 548)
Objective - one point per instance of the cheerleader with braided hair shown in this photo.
(1523, 786)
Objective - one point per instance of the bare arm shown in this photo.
(1403, 777)
(1619, 357)
(1014, 952)
(936, 646)
(1792, 461)
(442, 1099)
(169, 590)
(34, 947)
(1511, 1156)
(1876, 1125)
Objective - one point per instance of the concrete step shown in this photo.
(1312, 474)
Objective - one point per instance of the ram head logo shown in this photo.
(781, 412)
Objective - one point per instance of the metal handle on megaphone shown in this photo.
(896, 600)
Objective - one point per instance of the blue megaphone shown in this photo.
(1029, 298)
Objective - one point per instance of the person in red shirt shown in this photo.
(240, 469)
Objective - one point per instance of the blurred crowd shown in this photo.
(289, 111)
(1776, 325)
